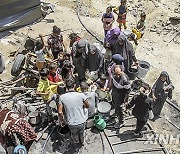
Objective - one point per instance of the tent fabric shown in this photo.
(16, 13)
(11, 7)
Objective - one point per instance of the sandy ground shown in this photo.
(154, 47)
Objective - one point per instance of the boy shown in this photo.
(44, 89)
(53, 75)
(139, 30)
(122, 11)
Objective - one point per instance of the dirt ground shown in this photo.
(156, 47)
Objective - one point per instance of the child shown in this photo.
(102, 83)
(55, 42)
(132, 38)
(139, 30)
(122, 11)
(61, 89)
(107, 19)
(44, 89)
(60, 60)
(39, 51)
(67, 71)
(53, 76)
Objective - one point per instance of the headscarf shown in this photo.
(118, 60)
(93, 48)
(76, 46)
(110, 35)
(158, 86)
(83, 43)
(125, 50)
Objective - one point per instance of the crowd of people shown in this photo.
(65, 76)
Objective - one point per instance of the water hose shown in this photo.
(78, 15)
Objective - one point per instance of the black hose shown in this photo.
(43, 148)
(103, 147)
(78, 9)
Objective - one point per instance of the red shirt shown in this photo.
(54, 78)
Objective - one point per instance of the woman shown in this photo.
(160, 91)
(80, 50)
(111, 37)
(125, 49)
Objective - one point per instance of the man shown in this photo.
(142, 104)
(94, 59)
(91, 97)
(120, 92)
(75, 106)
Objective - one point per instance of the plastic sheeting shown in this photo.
(16, 13)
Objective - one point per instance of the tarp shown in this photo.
(16, 13)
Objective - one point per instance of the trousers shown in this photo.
(139, 126)
(77, 133)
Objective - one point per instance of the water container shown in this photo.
(99, 122)
(132, 73)
(104, 109)
(143, 68)
(64, 132)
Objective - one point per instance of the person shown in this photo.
(75, 107)
(107, 20)
(94, 59)
(141, 104)
(73, 38)
(13, 124)
(121, 11)
(102, 83)
(80, 51)
(125, 49)
(117, 59)
(53, 76)
(111, 37)
(39, 51)
(160, 91)
(91, 97)
(139, 30)
(67, 70)
(61, 89)
(45, 89)
(132, 39)
(55, 42)
(60, 60)
(120, 92)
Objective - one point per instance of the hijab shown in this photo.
(158, 86)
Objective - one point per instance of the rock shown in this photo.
(168, 28)
(168, 22)
(156, 5)
(45, 135)
(152, 30)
